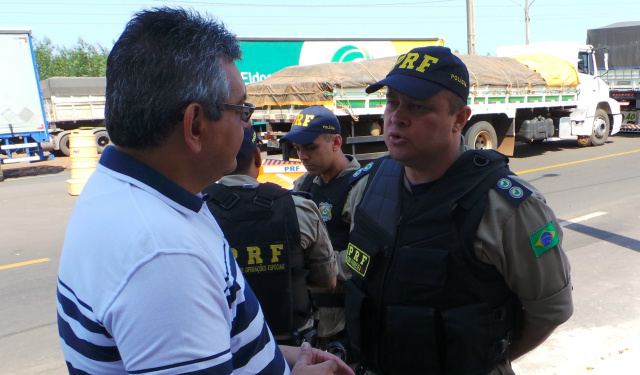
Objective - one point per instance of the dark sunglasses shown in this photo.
(246, 110)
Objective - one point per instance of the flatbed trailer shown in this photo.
(509, 102)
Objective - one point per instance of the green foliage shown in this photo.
(82, 60)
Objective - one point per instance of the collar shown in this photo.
(239, 180)
(122, 163)
(353, 166)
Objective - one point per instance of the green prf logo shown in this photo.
(350, 53)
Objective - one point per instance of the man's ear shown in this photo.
(192, 126)
(257, 157)
(461, 118)
(337, 142)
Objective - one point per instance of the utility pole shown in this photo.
(471, 29)
(526, 15)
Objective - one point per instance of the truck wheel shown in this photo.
(481, 136)
(64, 146)
(102, 140)
(601, 128)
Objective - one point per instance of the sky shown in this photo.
(497, 22)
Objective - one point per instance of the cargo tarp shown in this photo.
(73, 86)
(622, 43)
(554, 70)
(315, 84)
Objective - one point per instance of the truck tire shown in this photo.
(102, 140)
(481, 136)
(601, 128)
(64, 146)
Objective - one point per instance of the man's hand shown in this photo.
(317, 362)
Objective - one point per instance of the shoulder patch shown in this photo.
(512, 191)
(360, 173)
(544, 239)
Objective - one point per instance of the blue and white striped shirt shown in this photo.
(148, 285)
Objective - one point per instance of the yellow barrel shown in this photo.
(84, 158)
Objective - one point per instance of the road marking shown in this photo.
(24, 263)
(285, 178)
(582, 218)
(576, 162)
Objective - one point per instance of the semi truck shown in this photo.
(263, 56)
(617, 52)
(24, 134)
(71, 103)
(529, 97)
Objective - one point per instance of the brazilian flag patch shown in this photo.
(544, 239)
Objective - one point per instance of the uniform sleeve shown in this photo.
(318, 252)
(509, 238)
(172, 313)
(353, 199)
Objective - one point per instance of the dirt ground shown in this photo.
(37, 168)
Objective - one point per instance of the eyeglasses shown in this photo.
(246, 110)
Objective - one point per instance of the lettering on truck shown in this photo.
(251, 77)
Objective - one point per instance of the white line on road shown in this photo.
(285, 178)
(582, 218)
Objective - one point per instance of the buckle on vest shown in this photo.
(502, 345)
(263, 202)
(230, 201)
(481, 161)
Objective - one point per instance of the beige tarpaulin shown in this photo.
(315, 84)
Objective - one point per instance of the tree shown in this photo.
(82, 60)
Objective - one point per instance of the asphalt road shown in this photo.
(594, 192)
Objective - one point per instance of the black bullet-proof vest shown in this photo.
(261, 226)
(419, 301)
(330, 199)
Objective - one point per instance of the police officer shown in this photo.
(279, 242)
(457, 264)
(315, 134)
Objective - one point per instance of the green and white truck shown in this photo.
(510, 100)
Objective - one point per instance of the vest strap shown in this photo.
(222, 195)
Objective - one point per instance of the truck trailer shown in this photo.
(528, 98)
(24, 133)
(72, 103)
(617, 52)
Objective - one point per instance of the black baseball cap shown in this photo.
(312, 122)
(249, 143)
(424, 71)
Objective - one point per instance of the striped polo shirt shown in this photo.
(147, 283)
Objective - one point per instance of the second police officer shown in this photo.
(316, 135)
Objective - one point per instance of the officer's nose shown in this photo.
(399, 116)
(302, 155)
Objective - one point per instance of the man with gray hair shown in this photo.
(147, 283)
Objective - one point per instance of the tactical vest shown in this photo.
(419, 301)
(262, 229)
(330, 199)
